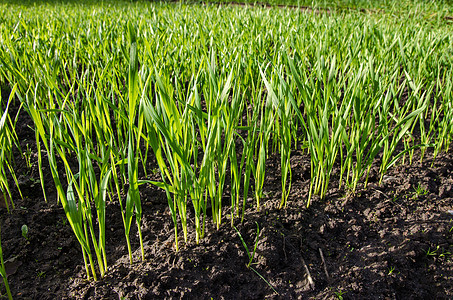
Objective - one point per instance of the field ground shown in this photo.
(389, 241)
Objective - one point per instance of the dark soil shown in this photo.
(388, 241)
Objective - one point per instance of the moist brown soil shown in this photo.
(387, 241)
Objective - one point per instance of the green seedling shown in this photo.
(420, 190)
(24, 230)
(27, 156)
(252, 255)
(391, 270)
(439, 252)
(433, 252)
(339, 295)
(445, 253)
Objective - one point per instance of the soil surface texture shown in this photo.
(392, 240)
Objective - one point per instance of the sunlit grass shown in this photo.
(212, 92)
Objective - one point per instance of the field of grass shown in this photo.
(400, 7)
(195, 99)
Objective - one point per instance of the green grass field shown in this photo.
(209, 92)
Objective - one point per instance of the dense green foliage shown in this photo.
(398, 7)
(210, 92)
